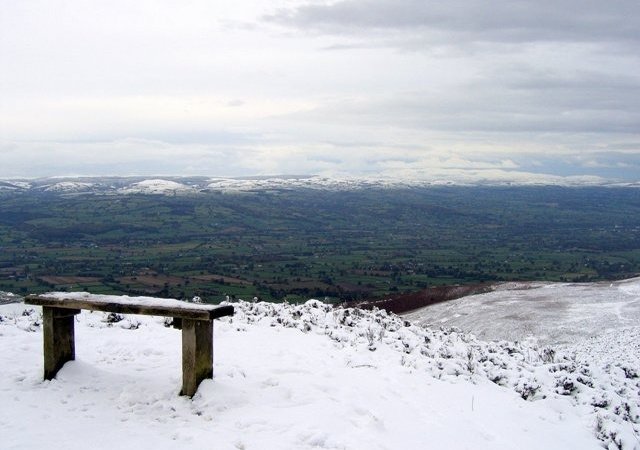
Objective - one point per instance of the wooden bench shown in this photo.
(59, 309)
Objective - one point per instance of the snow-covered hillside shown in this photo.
(12, 185)
(342, 183)
(156, 186)
(309, 376)
(69, 186)
(307, 182)
(172, 185)
(553, 313)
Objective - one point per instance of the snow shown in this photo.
(69, 186)
(597, 323)
(14, 185)
(308, 376)
(126, 300)
(231, 185)
(551, 313)
(9, 297)
(156, 186)
(341, 183)
(323, 182)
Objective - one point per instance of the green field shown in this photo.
(297, 244)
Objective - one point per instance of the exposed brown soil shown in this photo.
(214, 277)
(309, 284)
(153, 280)
(68, 280)
(403, 303)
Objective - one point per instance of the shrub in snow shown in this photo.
(629, 372)
(600, 400)
(130, 324)
(372, 337)
(527, 388)
(124, 322)
(471, 361)
(534, 373)
(547, 355)
(112, 318)
(565, 385)
(498, 377)
(610, 433)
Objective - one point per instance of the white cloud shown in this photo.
(356, 86)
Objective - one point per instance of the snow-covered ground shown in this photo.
(307, 182)
(552, 313)
(339, 183)
(13, 185)
(172, 185)
(69, 186)
(156, 186)
(310, 376)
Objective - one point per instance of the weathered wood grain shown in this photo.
(197, 354)
(58, 339)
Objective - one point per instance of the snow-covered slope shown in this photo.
(553, 313)
(308, 376)
(364, 182)
(156, 186)
(171, 185)
(69, 186)
(13, 185)
(307, 182)
(8, 297)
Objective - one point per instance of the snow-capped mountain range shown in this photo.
(192, 185)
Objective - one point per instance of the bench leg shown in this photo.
(58, 336)
(197, 354)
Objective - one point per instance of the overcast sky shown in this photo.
(406, 88)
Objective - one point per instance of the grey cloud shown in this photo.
(325, 159)
(475, 20)
(167, 135)
(331, 92)
(389, 159)
(611, 160)
(611, 165)
(625, 147)
(498, 107)
(124, 157)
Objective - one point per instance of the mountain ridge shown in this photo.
(172, 185)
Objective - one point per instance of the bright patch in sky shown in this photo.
(357, 87)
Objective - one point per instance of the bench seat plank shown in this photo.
(130, 305)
